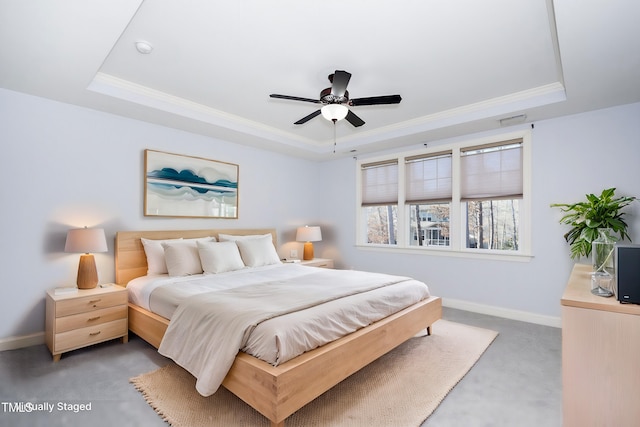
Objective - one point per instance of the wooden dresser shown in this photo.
(600, 357)
(86, 317)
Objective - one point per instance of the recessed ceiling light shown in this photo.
(144, 47)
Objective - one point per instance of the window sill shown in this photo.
(474, 254)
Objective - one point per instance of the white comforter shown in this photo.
(207, 330)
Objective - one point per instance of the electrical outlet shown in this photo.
(294, 253)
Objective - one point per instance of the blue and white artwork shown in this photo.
(185, 186)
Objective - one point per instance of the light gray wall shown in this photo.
(572, 156)
(65, 166)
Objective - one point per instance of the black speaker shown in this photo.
(628, 273)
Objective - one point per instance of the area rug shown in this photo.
(402, 388)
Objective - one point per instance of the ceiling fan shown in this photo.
(335, 100)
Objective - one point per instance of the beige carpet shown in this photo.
(401, 388)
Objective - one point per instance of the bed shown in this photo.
(276, 391)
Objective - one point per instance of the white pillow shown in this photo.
(235, 238)
(155, 255)
(154, 251)
(182, 257)
(257, 252)
(218, 257)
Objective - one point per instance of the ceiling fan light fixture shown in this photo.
(334, 112)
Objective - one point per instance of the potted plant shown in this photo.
(597, 212)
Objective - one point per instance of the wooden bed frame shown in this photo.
(277, 392)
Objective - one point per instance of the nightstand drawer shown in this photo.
(92, 318)
(319, 262)
(324, 264)
(90, 303)
(70, 340)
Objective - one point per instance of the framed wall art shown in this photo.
(185, 186)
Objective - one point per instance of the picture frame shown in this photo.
(177, 185)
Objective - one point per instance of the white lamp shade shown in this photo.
(334, 112)
(86, 240)
(308, 234)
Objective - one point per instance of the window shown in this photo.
(380, 201)
(491, 187)
(428, 198)
(461, 198)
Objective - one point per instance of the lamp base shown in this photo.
(87, 272)
(307, 253)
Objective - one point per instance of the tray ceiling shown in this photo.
(460, 66)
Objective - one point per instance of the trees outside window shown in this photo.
(493, 224)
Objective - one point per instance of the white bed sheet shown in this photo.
(281, 338)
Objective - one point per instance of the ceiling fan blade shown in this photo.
(307, 118)
(353, 119)
(376, 100)
(294, 98)
(340, 82)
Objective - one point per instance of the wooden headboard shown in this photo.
(131, 261)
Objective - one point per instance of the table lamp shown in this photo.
(86, 240)
(308, 234)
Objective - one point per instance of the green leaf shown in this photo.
(586, 217)
(608, 193)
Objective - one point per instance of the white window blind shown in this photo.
(491, 172)
(428, 178)
(380, 183)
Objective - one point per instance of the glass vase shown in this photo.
(602, 257)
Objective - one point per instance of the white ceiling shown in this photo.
(459, 65)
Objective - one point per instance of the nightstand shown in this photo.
(85, 317)
(319, 262)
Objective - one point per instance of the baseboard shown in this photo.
(506, 313)
(13, 343)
